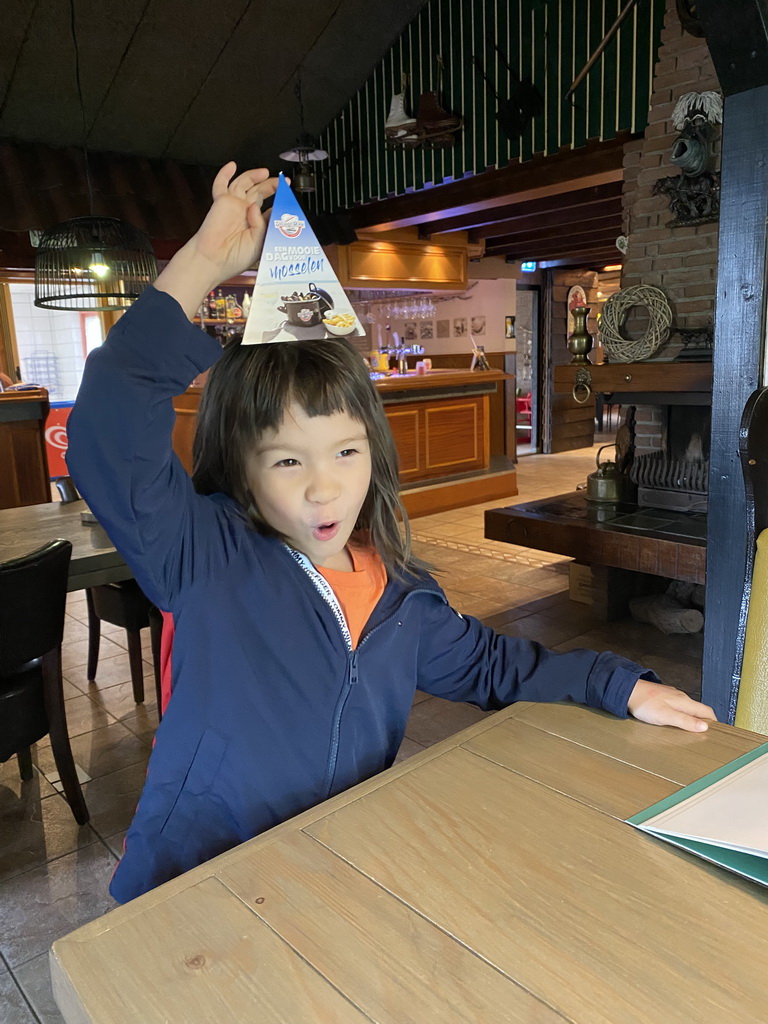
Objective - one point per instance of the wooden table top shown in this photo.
(438, 378)
(490, 878)
(94, 558)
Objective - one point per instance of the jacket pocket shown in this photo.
(188, 808)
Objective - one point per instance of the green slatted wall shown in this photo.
(549, 40)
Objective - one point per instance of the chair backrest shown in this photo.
(752, 637)
(33, 600)
(67, 490)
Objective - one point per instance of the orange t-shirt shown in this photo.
(358, 591)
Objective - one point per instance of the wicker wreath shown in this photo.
(614, 316)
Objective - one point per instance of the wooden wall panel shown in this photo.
(405, 427)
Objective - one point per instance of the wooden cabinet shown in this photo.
(636, 377)
(440, 438)
(185, 407)
(23, 458)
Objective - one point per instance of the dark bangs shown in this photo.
(248, 392)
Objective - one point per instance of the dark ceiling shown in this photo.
(202, 82)
(196, 81)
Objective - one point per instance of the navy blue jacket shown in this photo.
(272, 711)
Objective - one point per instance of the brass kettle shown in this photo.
(607, 483)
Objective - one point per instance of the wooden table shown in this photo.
(94, 559)
(489, 879)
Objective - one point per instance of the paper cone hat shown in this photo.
(297, 295)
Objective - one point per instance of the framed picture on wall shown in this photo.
(409, 330)
(576, 297)
(460, 327)
(509, 327)
(426, 331)
(478, 325)
(443, 329)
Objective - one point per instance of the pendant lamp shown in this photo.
(304, 153)
(91, 263)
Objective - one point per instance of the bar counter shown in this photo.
(439, 419)
(24, 477)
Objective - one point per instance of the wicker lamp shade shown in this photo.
(92, 263)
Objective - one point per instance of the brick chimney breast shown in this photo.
(682, 261)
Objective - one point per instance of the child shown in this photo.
(303, 625)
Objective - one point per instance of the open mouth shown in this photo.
(325, 531)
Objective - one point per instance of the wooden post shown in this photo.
(738, 43)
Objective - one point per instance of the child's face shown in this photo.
(309, 480)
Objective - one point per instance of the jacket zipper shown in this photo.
(326, 592)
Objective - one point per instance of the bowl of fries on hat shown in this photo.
(338, 323)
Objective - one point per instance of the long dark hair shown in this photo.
(248, 392)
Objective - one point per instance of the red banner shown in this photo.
(56, 440)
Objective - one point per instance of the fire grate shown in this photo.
(670, 483)
(658, 470)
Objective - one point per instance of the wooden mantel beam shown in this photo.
(597, 163)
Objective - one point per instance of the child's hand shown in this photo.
(664, 705)
(227, 242)
(233, 231)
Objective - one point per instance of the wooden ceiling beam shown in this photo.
(520, 248)
(559, 250)
(571, 200)
(595, 259)
(536, 227)
(597, 163)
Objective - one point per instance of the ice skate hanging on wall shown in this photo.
(432, 128)
(518, 104)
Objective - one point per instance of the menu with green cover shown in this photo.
(722, 817)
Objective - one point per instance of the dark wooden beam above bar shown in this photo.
(566, 216)
(553, 248)
(516, 209)
(593, 165)
(596, 258)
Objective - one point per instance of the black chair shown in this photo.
(33, 600)
(121, 604)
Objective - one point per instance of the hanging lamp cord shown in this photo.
(82, 105)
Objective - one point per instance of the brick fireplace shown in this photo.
(680, 260)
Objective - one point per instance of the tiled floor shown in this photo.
(54, 875)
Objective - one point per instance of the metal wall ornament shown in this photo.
(693, 195)
(614, 317)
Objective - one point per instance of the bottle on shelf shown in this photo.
(210, 306)
(221, 306)
(230, 303)
(246, 304)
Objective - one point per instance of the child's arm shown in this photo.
(120, 430)
(460, 659)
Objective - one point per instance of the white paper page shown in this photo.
(732, 813)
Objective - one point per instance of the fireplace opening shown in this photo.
(671, 463)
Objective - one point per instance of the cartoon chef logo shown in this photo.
(289, 225)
